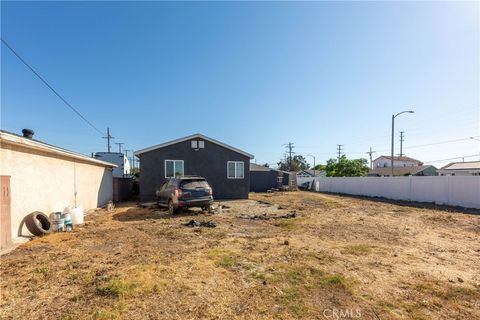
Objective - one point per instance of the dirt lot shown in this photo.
(339, 257)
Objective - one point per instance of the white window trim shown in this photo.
(165, 167)
(236, 162)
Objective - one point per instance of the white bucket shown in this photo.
(77, 215)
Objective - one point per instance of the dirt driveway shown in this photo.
(334, 258)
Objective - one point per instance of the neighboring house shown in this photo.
(123, 165)
(404, 171)
(469, 168)
(226, 168)
(385, 162)
(36, 176)
(310, 173)
(263, 178)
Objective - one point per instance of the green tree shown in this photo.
(344, 167)
(320, 167)
(135, 172)
(298, 163)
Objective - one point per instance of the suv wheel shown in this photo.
(171, 207)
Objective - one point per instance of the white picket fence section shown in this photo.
(463, 191)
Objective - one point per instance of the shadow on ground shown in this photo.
(412, 204)
(141, 214)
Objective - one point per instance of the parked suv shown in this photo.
(184, 192)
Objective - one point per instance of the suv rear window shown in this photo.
(194, 184)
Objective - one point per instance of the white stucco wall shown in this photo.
(456, 191)
(44, 182)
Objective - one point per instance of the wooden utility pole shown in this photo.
(108, 137)
(401, 143)
(119, 146)
(339, 150)
(370, 154)
(290, 147)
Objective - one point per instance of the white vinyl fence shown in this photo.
(463, 191)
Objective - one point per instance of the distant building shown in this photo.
(263, 178)
(310, 173)
(404, 171)
(469, 168)
(123, 165)
(386, 161)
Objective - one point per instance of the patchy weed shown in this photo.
(357, 249)
(43, 270)
(117, 288)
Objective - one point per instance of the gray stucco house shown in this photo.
(226, 168)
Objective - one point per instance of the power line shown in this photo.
(440, 160)
(50, 87)
(426, 145)
(441, 142)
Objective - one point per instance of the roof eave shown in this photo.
(13, 139)
(197, 135)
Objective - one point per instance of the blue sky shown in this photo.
(253, 75)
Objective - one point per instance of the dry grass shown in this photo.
(385, 260)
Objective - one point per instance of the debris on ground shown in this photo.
(135, 263)
(38, 223)
(193, 223)
(268, 217)
(148, 204)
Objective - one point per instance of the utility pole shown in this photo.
(339, 150)
(401, 143)
(108, 137)
(290, 147)
(120, 144)
(370, 154)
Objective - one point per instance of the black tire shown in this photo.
(38, 223)
(171, 207)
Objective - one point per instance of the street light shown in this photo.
(309, 155)
(393, 134)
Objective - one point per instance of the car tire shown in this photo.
(38, 223)
(171, 207)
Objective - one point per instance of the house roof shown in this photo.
(193, 136)
(399, 171)
(468, 165)
(311, 172)
(15, 139)
(256, 167)
(398, 158)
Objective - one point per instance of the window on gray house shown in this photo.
(235, 170)
(173, 168)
